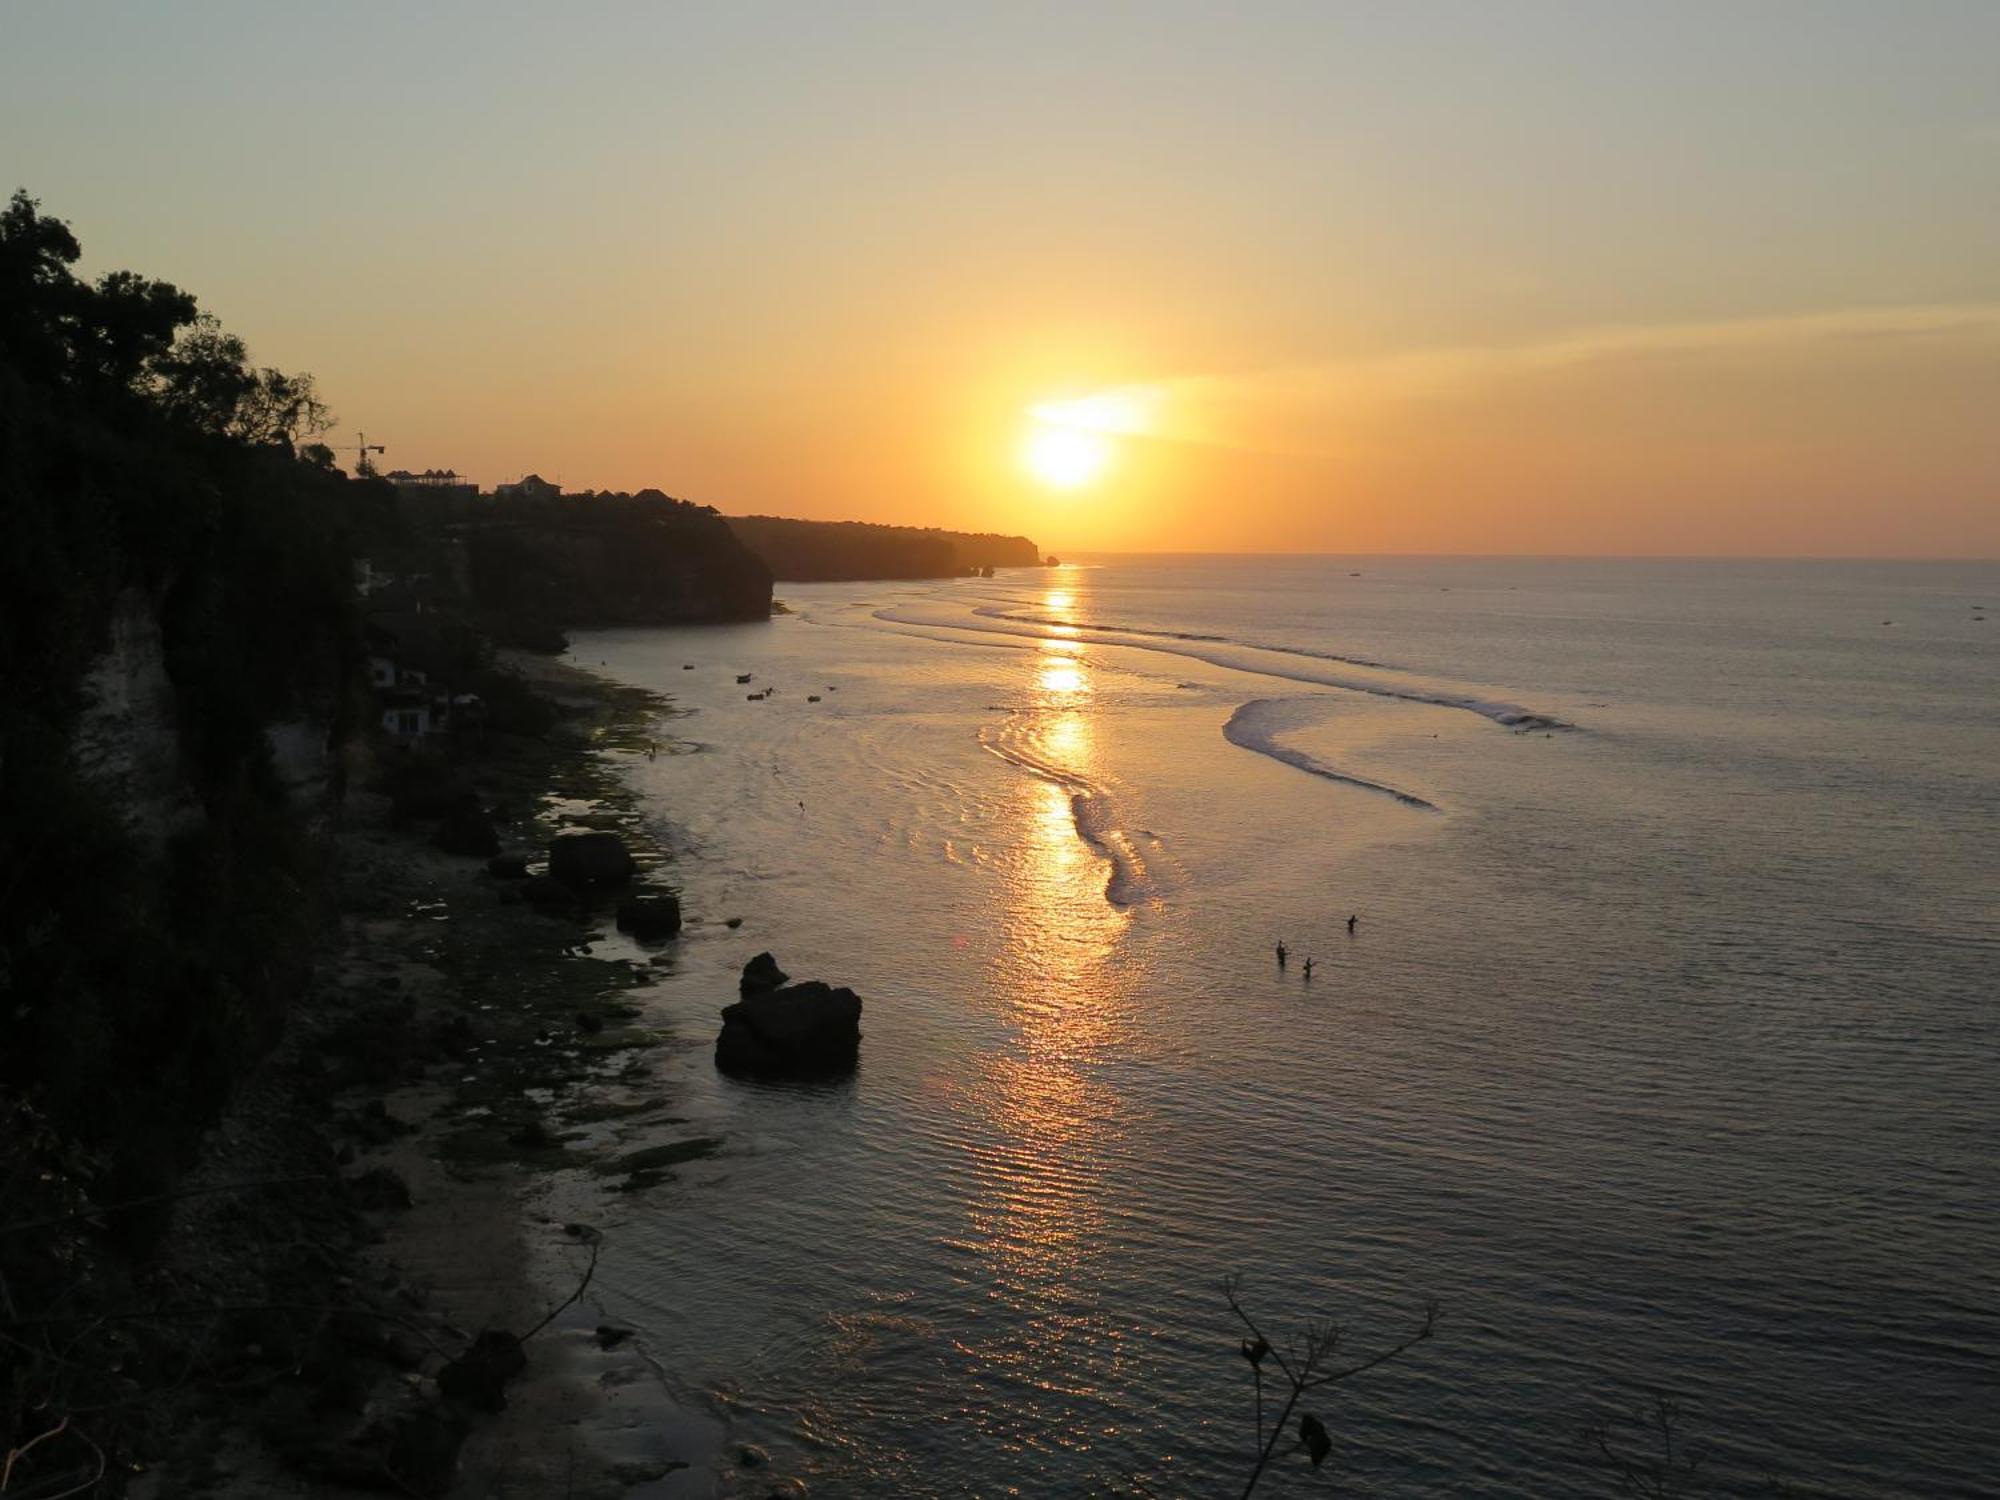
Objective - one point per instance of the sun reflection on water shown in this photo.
(1060, 674)
(1044, 1146)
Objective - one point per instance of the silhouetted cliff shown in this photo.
(180, 648)
(830, 551)
(530, 568)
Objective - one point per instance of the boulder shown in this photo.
(650, 918)
(479, 1376)
(760, 974)
(465, 829)
(513, 865)
(586, 861)
(805, 1030)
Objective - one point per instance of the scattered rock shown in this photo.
(651, 918)
(733, 923)
(373, 1125)
(799, 1031)
(760, 974)
(588, 861)
(656, 1158)
(467, 830)
(411, 1451)
(512, 865)
(479, 1376)
(610, 1335)
(548, 893)
(379, 1190)
(451, 1034)
(750, 1456)
(533, 1134)
(633, 1471)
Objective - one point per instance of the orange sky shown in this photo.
(1444, 277)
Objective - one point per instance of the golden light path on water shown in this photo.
(1047, 1128)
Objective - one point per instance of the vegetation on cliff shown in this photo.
(152, 929)
(143, 457)
(533, 567)
(833, 551)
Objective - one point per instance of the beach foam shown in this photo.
(1256, 726)
(1282, 663)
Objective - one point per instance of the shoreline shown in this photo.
(469, 1051)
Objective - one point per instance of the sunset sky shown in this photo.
(1481, 277)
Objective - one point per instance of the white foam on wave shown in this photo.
(1256, 726)
(1130, 879)
(993, 612)
(1281, 663)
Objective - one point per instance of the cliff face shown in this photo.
(126, 742)
(592, 561)
(833, 551)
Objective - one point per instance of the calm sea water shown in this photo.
(1663, 1054)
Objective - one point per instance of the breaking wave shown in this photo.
(1256, 726)
(1130, 879)
(995, 612)
(1286, 664)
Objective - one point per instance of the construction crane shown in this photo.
(360, 448)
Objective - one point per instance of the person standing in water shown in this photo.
(1309, 969)
(1350, 925)
(1281, 953)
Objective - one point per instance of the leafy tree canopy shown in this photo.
(128, 338)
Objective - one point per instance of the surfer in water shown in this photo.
(1282, 955)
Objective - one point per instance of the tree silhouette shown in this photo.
(1305, 1364)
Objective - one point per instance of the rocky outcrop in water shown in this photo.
(652, 918)
(760, 974)
(805, 1030)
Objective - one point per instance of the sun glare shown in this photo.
(1065, 457)
(1071, 443)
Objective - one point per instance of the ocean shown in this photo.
(1662, 1054)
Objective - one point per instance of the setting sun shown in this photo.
(1065, 458)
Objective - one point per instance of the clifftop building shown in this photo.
(441, 484)
(531, 487)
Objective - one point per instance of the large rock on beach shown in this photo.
(588, 861)
(651, 918)
(807, 1030)
(512, 865)
(760, 974)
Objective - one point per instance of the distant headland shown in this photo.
(838, 551)
(530, 561)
